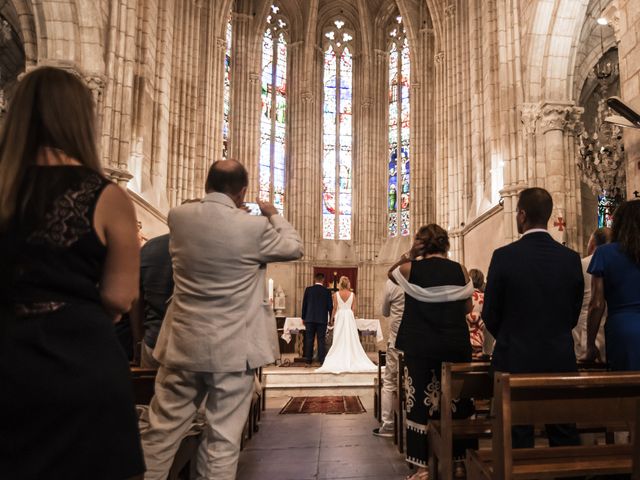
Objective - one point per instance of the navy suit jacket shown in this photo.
(317, 304)
(531, 303)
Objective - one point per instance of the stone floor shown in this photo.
(305, 447)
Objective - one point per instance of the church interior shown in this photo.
(361, 121)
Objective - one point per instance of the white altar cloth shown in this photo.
(295, 324)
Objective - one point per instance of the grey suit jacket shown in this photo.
(220, 319)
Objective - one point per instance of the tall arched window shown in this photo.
(399, 172)
(337, 133)
(274, 110)
(227, 91)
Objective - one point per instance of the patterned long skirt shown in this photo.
(422, 398)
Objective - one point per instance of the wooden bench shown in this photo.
(459, 380)
(399, 419)
(377, 386)
(605, 398)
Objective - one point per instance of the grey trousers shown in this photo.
(389, 388)
(178, 395)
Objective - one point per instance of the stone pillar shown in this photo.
(423, 135)
(118, 93)
(303, 204)
(441, 186)
(553, 122)
(245, 98)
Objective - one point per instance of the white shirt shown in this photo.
(536, 230)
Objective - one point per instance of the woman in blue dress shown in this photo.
(615, 270)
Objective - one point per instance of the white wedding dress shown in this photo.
(346, 353)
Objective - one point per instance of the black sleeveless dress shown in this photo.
(66, 401)
(429, 334)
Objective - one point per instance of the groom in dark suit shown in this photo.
(532, 303)
(317, 306)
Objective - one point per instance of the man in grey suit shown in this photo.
(219, 326)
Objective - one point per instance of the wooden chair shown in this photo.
(459, 380)
(606, 398)
(399, 420)
(377, 386)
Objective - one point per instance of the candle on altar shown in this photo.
(271, 291)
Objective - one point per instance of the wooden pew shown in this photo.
(606, 398)
(459, 380)
(377, 386)
(399, 419)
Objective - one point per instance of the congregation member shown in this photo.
(598, 238)
(474, 318)
(69, 263)
(392, 308)
(433, 330)
(219, 327)
(532, 303)
(156, 288)
(317, 306)
(615, 271)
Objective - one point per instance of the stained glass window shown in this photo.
(399, 175)
(337, 117)
(227, 91)
(274, 111)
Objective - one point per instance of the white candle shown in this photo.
(271, 291)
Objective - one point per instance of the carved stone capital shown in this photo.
(554, 117)
(307, 97)
(438, 58)
(254, 78)
(241, 17)
(221, 44)
(366, 103)
(119, 175)
(530, 113)
(450, 10)
(96, 83)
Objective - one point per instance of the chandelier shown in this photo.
(601, 153)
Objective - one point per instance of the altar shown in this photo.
(369, 329)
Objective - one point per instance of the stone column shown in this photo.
(303, 204)
(441, 187)
(553, 122)
(245, 98)
(118, 93)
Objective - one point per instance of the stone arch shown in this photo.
(25, 26)
(552, 34)
(591, 46)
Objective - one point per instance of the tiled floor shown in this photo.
(304, 447)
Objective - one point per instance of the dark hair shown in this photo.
(601, 236)
(434, 237)
(226, 176)
(626, 228)
(51, 108)
(537, 204)
(319, 277)
(477, 277)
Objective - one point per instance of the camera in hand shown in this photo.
(254, 208)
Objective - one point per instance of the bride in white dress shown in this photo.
(346, 353)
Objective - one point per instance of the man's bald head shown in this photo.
(227, 176)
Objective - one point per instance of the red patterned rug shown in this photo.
(332, 405)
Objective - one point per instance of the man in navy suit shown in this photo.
(317, 306)
(532, 303)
